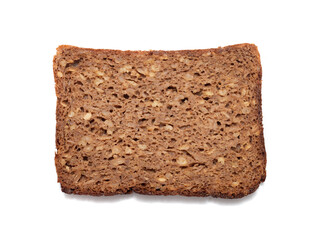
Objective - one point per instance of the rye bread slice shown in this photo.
(183, 122)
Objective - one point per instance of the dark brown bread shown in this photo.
(159, 122)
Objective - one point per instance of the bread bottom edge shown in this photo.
(143, 191)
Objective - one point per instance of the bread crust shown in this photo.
(143, 191)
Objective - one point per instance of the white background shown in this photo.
(293, 43)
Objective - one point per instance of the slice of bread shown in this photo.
(159, 122)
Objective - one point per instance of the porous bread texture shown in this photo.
(183, 122)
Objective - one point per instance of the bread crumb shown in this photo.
(235, 184)
(71, 114)
(100, 73)
(98, 81)
(116, 150)
(169, 127)
(208, 93)
(221, 160)
(247, 146)
(125, 69)
(100, 147)
(245, 110)
(222, 92)
(188, 76)
(89, 148)
(156, 104)
(142, 146)
(128, 150)
(184, 147)
(246, 104)
(161, 179)
(63, 63)
(87, 116)
(182, 161)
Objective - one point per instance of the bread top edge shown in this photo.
(251, 46)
